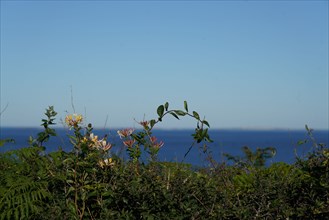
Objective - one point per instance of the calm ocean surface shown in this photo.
(177, 142)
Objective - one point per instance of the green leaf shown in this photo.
(179, 112)
(107, 193)
(160, 110)
(208, 139)
(69, 181)
(68, 160)
(152, 123)
(71, 189)
(301, 142)
(3, 141)
(204, 133)
(166, 106)
(173, 114)
(136, 137)
(206, 123)
(185, 106)
(196, 115)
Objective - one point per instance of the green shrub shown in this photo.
(90, 182)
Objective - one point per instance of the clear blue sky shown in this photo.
(242, 64)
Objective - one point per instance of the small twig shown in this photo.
(4, 109)
(90, 214)
(188, 151)
(85, 121)
(200, 201)
(107, 118)
(72, 103)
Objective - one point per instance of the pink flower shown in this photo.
(105, 145)
(153, 139)
(129, 143)
(125, 132)
(154, 142)
(145, 124)
(158, 145)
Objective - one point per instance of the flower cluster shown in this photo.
(73, 120)
(125, 132)
(106, 162)
(129, 143)
(145, 124)
(133, 142)
(94, 142)
(156, 144)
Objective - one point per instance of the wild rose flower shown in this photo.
(125, 132)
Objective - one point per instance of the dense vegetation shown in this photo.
(92, 183)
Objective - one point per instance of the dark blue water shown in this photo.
(177, 143)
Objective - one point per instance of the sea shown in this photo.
(178, 142)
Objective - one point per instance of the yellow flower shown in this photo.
(106, 162)
(78, 118)
(68, 120)
(93, 138)
(84, 140)
(73, 120)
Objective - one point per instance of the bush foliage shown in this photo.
(90, 182)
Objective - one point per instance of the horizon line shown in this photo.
(177, 129)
